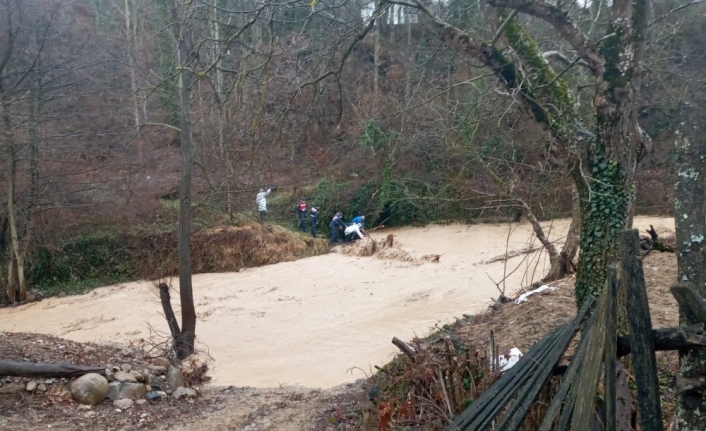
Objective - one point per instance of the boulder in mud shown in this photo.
(175, 379)
(90, 389)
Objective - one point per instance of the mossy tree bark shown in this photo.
(620, 145)
(689, 216)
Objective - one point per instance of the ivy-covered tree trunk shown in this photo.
(618, 147)
(605, 212)
(689, 218)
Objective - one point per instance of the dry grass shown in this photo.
(230, 248)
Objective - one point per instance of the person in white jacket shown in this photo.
(262, 203)
(354, 228)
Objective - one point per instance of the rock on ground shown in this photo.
(133, 391)
(157, 369)
(124, 403)
(162, 362)
(183, 393)
(113, 390)
(138, 376)
(175, 379)
(89, 389)
(31, 386)
(122, 376)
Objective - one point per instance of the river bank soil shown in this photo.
(323, 312)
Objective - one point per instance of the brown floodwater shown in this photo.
(315, 322)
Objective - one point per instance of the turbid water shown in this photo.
(319, 321)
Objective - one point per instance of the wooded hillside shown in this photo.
(358, 105)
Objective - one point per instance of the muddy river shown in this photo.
(320, 321)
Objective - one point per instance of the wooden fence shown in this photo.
(505, 405)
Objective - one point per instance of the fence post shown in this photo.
(611, 348)
(632, 278)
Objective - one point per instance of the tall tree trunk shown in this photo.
(11, 208)
(689, 218)
(35, 107)
(185, 345)
(376, 59)
(131, 33)
(220, 97)
(11, 280)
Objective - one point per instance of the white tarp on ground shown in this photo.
(509, 359)
(522, 298)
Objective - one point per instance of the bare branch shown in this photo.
(556, 55)
(677, 9)
(168, 126)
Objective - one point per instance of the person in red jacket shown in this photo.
(301, 213)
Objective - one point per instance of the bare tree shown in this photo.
(20, 84)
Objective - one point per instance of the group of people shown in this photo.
(351, 231)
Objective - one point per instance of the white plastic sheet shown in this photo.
(509, 359)
(522, 298)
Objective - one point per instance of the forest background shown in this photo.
(372, 116)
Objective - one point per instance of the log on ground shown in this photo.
(32, 369)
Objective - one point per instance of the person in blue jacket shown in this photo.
(360, 220)
(314, 219)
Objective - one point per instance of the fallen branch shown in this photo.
(510, 254)
(404, 347)
(32, 369)
(654, 242)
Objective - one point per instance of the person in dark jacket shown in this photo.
(314, 219)
(301, 213)
(336, 224)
